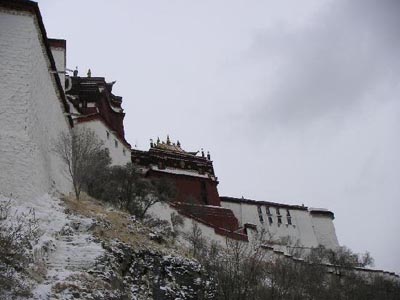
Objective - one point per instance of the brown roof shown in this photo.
(58, 43)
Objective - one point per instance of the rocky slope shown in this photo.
(86, 250)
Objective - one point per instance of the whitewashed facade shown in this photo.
(120, 153)
(32, 109)
(287, 223)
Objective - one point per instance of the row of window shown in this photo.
(270, 218)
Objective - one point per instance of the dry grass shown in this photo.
(113, 223)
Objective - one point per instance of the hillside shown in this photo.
(85, 250)
(61, 248)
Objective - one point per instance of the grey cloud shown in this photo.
(332, 65)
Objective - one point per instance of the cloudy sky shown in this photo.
(297, 101)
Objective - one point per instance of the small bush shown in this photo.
(17, 232)
(126, 188)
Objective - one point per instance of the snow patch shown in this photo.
(65, 243)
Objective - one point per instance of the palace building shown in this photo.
(42, 101)
(192, 174)
(39, 101)
(197, 197)
(94, 106)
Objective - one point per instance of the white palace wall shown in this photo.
(324, 230)
(31, 112)
(120, 153)
(307, 229)
(59, 55)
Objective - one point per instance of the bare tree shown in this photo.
(79, 151)
(196, 240)
(246, 271)
(158, 191)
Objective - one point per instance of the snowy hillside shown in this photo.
(85, 250)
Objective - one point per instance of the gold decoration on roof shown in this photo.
(168, 145)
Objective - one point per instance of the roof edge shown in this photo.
(57, 43)
(256, 202)
(322, 212)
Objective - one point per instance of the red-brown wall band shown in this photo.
(190, 189)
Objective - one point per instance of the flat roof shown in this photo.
(268, 203)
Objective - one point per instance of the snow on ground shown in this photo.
(65, 242)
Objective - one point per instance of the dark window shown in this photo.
(278, 212)
(289, 217)
(203, 192)
(116, 143)
(260, 216)
(279, 220)
(267, 210)
(108, 135)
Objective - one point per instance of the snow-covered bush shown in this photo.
(17, 233)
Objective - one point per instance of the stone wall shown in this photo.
(31, 110)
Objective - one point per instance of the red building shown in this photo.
(93, 98)
(193, 175)
(94, 106)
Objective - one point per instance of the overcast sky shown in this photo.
(297, 101)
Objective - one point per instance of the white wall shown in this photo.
(325, 231)
(308, 231)
(59, 58)
(117, 153)
(31, 112)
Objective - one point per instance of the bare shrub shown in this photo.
(17, 232)
(128, 189)
(243, 271)
(83, 154)
(177, 222)
(197, 242)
